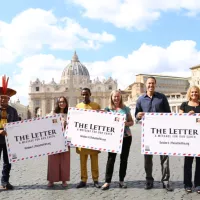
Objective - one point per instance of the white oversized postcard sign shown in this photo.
(35, 137)
(171, 134)
(97, 130)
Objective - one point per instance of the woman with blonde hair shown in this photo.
(116, 106)
(191, 106)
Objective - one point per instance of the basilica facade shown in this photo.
(175, 88)
(75, 76)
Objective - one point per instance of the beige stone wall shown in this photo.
(137, 89)
(46, 101)
(164, 84)
(174, 88)
(21, 109)
(195, 79)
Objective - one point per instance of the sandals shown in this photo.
(64, 184)
(50, 184)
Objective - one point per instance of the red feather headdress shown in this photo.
(4, 84)
(4, 90)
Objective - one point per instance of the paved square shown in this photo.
(29, 179)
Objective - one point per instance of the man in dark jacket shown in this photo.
(7, 114)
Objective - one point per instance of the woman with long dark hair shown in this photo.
(59, 164)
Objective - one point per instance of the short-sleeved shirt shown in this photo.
(187, 108)
(90, 106)
(158, 103)
(125, 110)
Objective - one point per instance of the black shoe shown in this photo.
(148, 186)
(8, 186)
(122, 185)
(96, 184)
(81, 185)
(105, 187)
(168, 187)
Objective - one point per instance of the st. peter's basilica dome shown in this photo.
(76, 68)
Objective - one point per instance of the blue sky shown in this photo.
(116, 38)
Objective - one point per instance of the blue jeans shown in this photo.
(6, 165)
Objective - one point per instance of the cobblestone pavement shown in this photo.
(29, 179)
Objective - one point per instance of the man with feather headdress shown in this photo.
(7, 114)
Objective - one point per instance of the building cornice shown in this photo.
(161, 76)
(195, 67)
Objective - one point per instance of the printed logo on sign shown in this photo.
(54, 121)
(14, 156)
(198, 120)
(147, 148)
(117, 119)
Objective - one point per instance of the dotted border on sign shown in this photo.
(164, 153)
(33, 156)
(91, 147)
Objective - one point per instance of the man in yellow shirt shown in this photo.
(87, 104)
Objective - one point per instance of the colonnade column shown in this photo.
(43, 107)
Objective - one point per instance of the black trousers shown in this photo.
(188, 172)
(148, 165)
(6, 165)
(123, 161)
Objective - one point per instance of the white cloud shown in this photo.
(44, 67)
(6, 56)
(33, 29)
(134, 13)
(175, 60)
